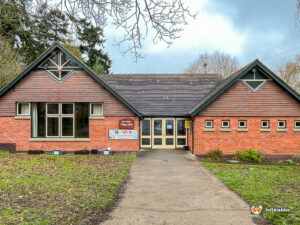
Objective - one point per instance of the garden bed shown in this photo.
(70, 189)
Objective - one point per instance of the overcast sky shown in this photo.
(246, 29)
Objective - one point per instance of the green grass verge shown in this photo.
(45, 189)
(271, 186)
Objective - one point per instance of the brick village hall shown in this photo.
(57, 102)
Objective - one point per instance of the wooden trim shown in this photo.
(225, 129)
(49, 139)
(242, 129)
(265, 129)
(96, 117)
(208, 129)
(282, 129)
(22, 117)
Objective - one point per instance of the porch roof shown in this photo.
(163, 94)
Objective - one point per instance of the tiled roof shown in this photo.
(163, 94)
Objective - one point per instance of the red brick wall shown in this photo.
(78, 87)
(19, 131)
(240, 100)
(272, 142)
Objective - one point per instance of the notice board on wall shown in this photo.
(122, 134)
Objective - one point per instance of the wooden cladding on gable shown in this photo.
(240, 100)
(39, 86)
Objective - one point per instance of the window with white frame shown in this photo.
(281, 124)
(23, 109)
(265, 124)
(60, 120)
(96, 109)
(209, 124)
(297, 124)
(225, 124)
(242, 123)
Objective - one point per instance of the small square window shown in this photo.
(23, 109)
(209, 123)
(281, 124)
(225, 124)
(265, 124)
(96, 109)
(242, 123)
(52, 108)
(297, 124)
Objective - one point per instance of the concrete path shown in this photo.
(172, 187)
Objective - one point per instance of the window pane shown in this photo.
(297, 124)
(157, 127)
(82, 120)
(181, 127)
(157, 141)
(55, 73)
(145, 127)
(54, 58)
(145, 141)
(96, 109)
(23, 109)
(169, 141)
(52, 108)
(67, 108)
(225, 124)
(41, 119)
(63, 58)
(181, 141)
(67, 126)
(169, 127)
(52, 124)
(64, 73)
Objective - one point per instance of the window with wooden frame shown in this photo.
(209, 124)
(265, 124)
(242, 123)
(96, 109)
(281, 124)
(297, 124)
(59, 65)
(23, 109)
(225, 123)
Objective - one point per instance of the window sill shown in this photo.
(60, 139)
(242, 129)
(22, 117)
(265, 129)
(282, 130)
(209, 129)
(96, 117)
(297, 129)
(225, 129)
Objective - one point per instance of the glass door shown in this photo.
(157, 136)
(169, 133)
(145, 133)
(181, 133)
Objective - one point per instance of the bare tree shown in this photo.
(290, 73)
(133, 18)
(216, 63)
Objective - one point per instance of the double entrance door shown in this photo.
(163, 133)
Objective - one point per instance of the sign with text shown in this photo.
(126, 124)
(123, 135)
(187, 124)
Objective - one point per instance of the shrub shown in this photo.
(214, 154)
(35, 152)
(3, 152)
(249, 155)
(82, 152)
(289, 161)
(296, 158)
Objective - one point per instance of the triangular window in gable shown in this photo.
(59, 65)
(254, 79)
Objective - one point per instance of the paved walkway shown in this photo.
(171, 187)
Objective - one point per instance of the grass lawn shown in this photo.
(271, 186)
(47, 189)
